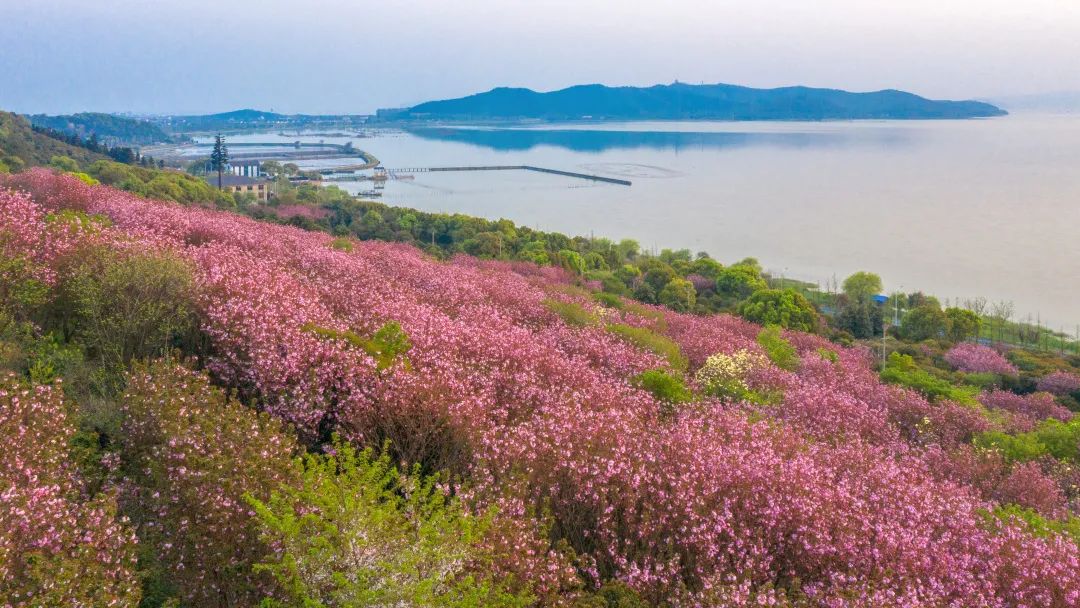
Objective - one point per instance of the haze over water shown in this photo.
(953, 208)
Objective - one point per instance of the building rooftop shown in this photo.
(234, 180)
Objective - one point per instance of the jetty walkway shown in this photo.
(595, 178)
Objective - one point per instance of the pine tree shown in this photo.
(219, 157)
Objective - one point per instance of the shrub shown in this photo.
(657, 274)
(779, 350)
(1029, 361)
(128, 307)
(612, 595)
(976, 358)
(608, 300)
(86, 179)
(666, 388)
(983, 380)
(63, 163)
(387, 346)
(356, 532)
(786, 308)
(1017, 448)
(1054, 437)
(628, 274)
(48, 358)
(191, 455)
(1059, 383)
(828, 355)
(1035, 406)
(901, 369)
(57, 547)
(342, 244)
(724, 376)
(1062, 439)
(22, 290)
(651, 341)
(1035, 523)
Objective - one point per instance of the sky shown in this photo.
(353, 56)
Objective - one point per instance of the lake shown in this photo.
(953, 208)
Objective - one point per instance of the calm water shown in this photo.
(954, 208)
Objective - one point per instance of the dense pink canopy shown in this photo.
(854, 488)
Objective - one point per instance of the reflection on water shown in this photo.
(584, 140)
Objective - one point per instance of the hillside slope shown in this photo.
(686, 459)
(685, 101)
(20, 146)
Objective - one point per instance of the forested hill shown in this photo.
(105, 126)
(686, 101)
(253, 119)
(21, 146)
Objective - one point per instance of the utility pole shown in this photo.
(883, 332)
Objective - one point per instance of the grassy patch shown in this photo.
(572, 313)
(651, 341)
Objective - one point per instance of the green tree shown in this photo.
(739, 281)
(485, 245)
(706, 267)
(924, 322)
(962, 324)
(536, 252)
(595, 261)
(862, 286)
(628, 249)
(786, 308)
(219, 157)
(572, 261)
(271, 168)
(657, 273)
(678, 294)
(356, 532)
(628, 274)
(861, 319)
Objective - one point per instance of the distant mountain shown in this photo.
(107, 127)
(253, 119)
(246, 115)
(690, 102)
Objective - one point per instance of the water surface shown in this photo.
(955, 208)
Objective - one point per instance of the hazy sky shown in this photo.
(167, 56)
